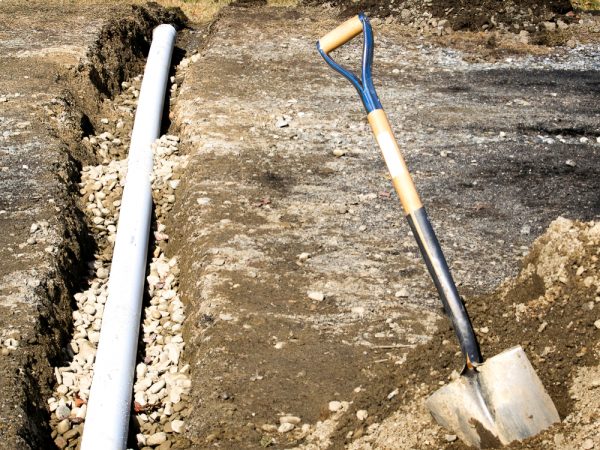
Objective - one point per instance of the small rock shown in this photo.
(282, 123)
(524, 37)
(588, 444)
(285, 427)
(338, 152)
(450, 437)
(63, 412)
(71, 434)
(392, 394)
(362, 414)
(177, 426)
(294, 420)
(484, 330)
(156, 439)
(402, 293)
(316, 295)
(304, 256)
(80, 414)
(157, 386)
(61, 442)
(597, 324)
(104, 120)
(571, 43)
(335, 406)
(63, 426)
(570, 163)
(141, 439)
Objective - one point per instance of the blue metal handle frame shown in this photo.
(364, 87)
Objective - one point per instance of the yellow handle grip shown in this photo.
(342, 34)
(403, 182)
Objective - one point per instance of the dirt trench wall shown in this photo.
(60, 67)
(117, 54)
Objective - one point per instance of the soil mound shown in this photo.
(552, 309)
(473, 15)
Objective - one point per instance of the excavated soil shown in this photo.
(552, 310)
(462, 14)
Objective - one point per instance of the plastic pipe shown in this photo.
(108, 410)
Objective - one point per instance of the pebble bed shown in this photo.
(161, 382)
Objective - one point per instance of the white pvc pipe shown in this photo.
(108, 410)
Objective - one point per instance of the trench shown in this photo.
(99, 104)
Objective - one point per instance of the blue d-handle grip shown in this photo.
(339, 36)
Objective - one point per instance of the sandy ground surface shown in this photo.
(305, 286)
(311, 321)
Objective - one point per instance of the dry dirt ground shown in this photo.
(302, 283)
(499, 150)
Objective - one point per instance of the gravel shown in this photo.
(161, 382)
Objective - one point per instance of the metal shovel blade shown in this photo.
(503, 401)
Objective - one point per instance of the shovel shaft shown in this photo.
(403, 183)
(425, 236)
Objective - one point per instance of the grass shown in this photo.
(586, 5)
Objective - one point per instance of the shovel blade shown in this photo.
(502, 402)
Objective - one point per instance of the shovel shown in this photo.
(494, 402)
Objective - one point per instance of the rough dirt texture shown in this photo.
(44, 51)
(464, 15)
(551, 309)
(311, 319)
(305, 286)
(546, 23)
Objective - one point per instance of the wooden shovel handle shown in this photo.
(403, 182)
(342, 34)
